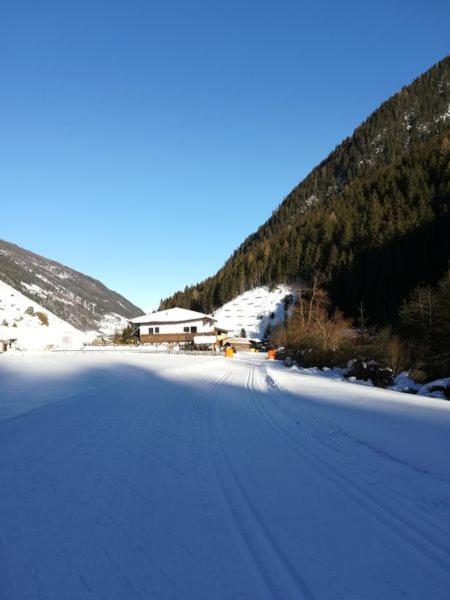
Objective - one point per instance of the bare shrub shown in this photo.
(313, 336)
(43, 318)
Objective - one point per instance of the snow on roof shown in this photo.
(172, 315)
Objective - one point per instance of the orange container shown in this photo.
(271, 354)
(229, 352)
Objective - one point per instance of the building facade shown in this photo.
(175, 325)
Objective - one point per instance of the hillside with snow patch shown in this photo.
(76, 298)
(24, 320)
(255, 311)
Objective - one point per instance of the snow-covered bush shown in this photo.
(369, 370)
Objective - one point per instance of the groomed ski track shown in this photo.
(156, 476)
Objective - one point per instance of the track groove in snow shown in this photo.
(271, 546)
(247, 521)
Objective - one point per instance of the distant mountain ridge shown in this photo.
(373, 217)
(80, 300)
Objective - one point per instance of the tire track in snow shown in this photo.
(199, 454)
(432, 549)
(265, 554)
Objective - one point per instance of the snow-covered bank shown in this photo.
(160, 476)
(432, 389)
(402, 382)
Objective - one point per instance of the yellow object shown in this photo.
(271, 354)
(229, 352)
(252, 350)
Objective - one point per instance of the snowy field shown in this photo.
(134, 476)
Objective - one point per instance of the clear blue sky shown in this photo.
(141, 142)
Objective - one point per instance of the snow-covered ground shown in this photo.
(254, 311)
(18, 320)
(127, 475)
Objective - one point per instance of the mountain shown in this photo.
(372, 218)
(33, 327)
(81, 301)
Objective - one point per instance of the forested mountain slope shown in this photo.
(373, 217)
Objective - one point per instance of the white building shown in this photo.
(178, 325)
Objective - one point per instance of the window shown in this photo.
(193, 329)
(186, 329)
(156, 329)
(150, 331)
